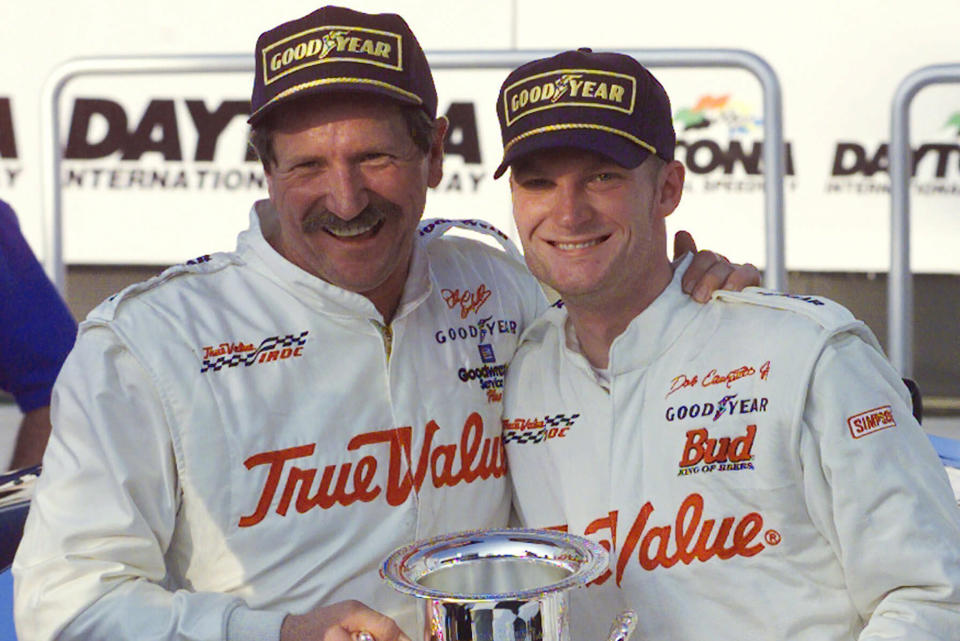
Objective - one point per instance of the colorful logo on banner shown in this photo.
(953, 123)
(734, 115)
(720, 140)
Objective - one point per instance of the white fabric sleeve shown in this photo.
(882, 499)
(245, 624)
(91, 564)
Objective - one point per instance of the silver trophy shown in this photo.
(499, 585)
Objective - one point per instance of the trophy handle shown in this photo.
(623, 625)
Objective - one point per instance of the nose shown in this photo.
(571, 208)
(347, 194)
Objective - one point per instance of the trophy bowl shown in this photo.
(495, 585)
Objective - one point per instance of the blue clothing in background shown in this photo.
(7, 632)
(947, 448)
(36, 328)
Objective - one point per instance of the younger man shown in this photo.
(752, 464)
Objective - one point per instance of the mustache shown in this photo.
(319, 217)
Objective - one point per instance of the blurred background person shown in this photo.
(36, 333)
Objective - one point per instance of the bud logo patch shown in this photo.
(704, 454)
(569, 88)
(331, 44)
(871, 421)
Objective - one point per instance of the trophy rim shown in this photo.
(584, 559)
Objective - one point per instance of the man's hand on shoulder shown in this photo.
(710, 271)
(341, 621)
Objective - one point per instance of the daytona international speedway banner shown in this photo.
(156, 168)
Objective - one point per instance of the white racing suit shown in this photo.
(237, 440)
(754, 467)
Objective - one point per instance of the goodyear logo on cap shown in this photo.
(331, 44)
(569, 88)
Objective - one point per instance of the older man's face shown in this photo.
(349, 186)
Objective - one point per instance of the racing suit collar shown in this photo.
(655, 329)
(647, 336)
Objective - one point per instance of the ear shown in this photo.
(435, 159)
(670, 180)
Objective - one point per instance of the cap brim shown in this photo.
(332, 88)
(617, 148)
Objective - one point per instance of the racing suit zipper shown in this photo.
(386, 333)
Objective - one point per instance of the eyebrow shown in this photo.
(531, 164)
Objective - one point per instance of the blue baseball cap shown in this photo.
(607, 103)
(337, 49)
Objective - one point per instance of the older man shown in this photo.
(240, 441)
(753, 464)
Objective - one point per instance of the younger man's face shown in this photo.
(589, 227)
